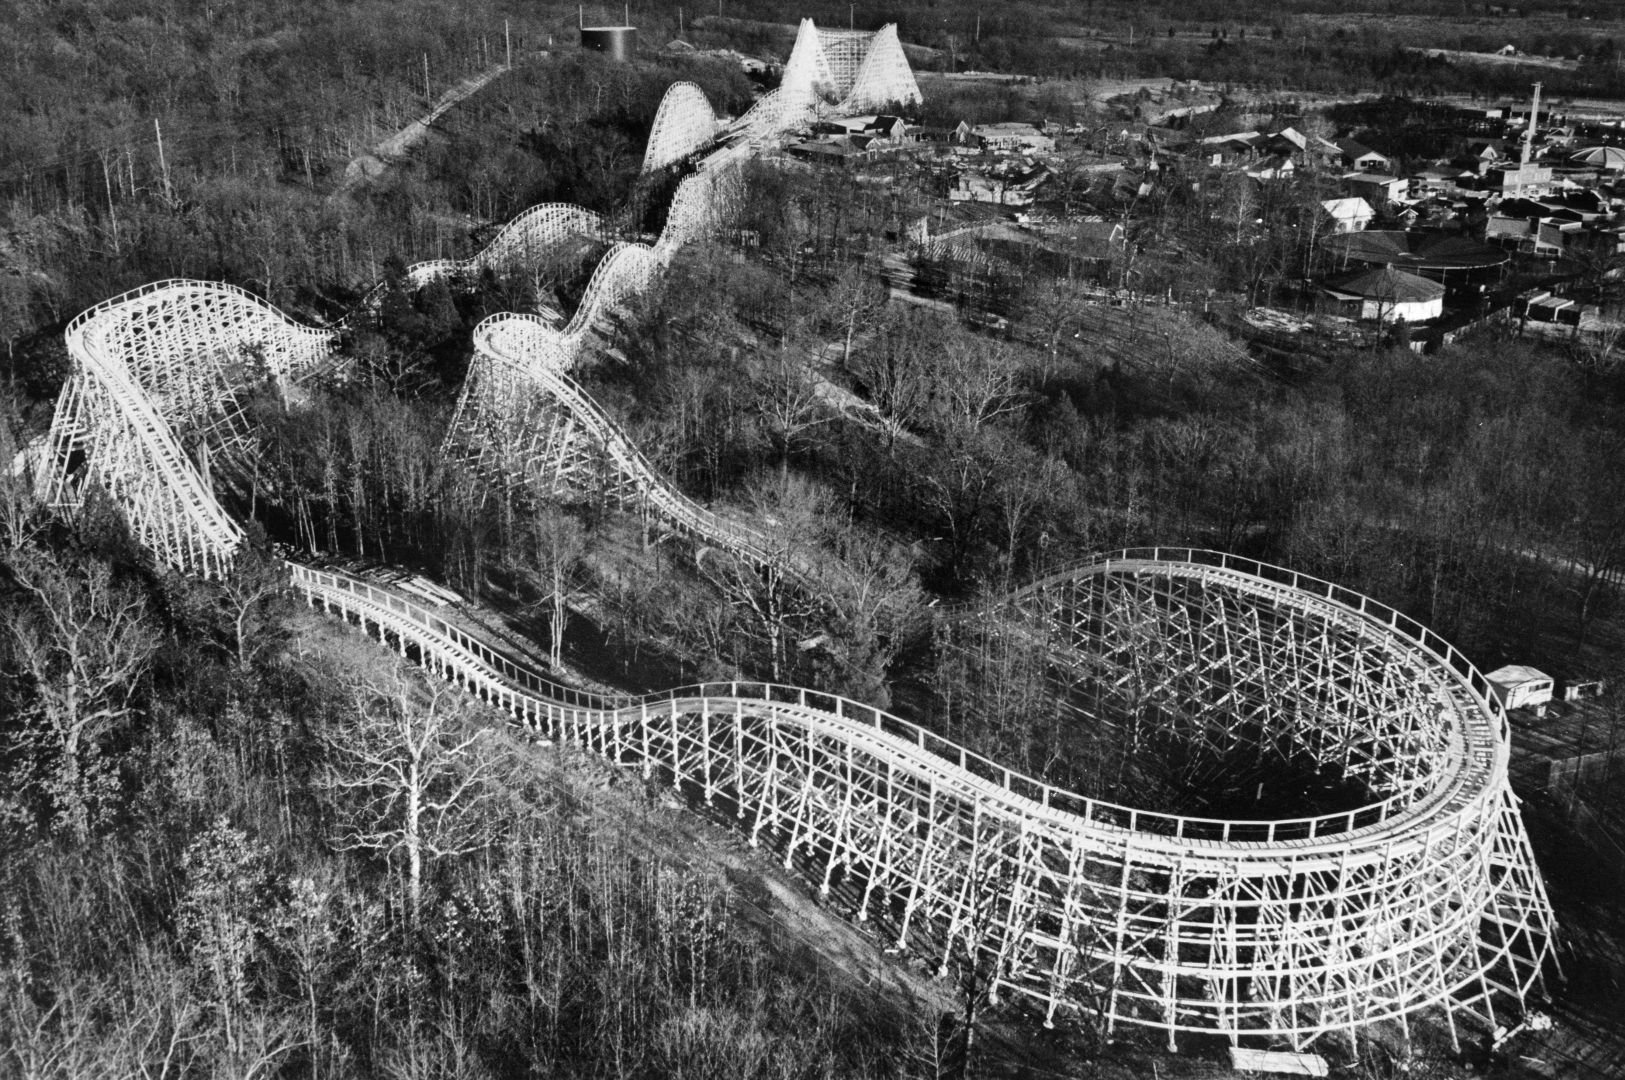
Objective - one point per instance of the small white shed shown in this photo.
(1520, 686)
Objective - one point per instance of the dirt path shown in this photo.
(372, 162)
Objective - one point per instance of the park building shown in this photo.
(1361, 157)
(1378, 189)
(1387, 295)
(1609, 159)
(1002, 187)
(1348, 215)
(1519, 686)
(1012, 136)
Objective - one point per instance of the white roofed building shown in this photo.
(1519, 686)
(1348, 215)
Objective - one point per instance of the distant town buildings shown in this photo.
(1358, 156)
(1404, 237)
(1377, 189)
(1006, 184)
(1014, 137)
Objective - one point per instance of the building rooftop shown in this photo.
(1517, 675)
(1387, 284)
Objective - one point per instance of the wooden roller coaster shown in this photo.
(1422, 896)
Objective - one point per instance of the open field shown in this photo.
(1547, 63)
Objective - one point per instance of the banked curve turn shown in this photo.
(176, 356)
(1287, 929)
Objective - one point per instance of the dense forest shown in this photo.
(206, 867)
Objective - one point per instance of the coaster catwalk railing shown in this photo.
(524, 423)
(173, 356)
(1270, 929)
(181, 356)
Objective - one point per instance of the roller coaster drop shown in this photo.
(1427, 896)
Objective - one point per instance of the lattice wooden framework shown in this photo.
(160, 373)
(523, 242)
(526, 241)
(775, 113)
(855, 71)
(1287, 930)
(625, 271)
(154, 403)
(703, 202)
(523, 423)
(683, 126)
(883, 79)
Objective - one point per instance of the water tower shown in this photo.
(619, 43)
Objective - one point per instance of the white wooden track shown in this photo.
(524, 423)
(170, 361)
(855, 71)
(1426, 898)
(684, 125)
(523, 242)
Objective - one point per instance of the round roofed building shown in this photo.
(1606, 158)
(1389, 295)
(1448, 258)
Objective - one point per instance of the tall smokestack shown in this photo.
(1529, 135)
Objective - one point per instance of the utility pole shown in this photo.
(426, 75)
(507, 40)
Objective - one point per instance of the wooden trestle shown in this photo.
(178, 356)
(170, 356)
(1428, 897)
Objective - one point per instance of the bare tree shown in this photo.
(853, 299)
(1587, 521)
(979, 947)
(409, 775)
(977, 381)
(788, 402)
(558, 543)
(22, 515)
(82, 644)
(896, 369)
(773, 592)
(879, 599)
(246, 602)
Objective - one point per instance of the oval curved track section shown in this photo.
(173, 356)
(1287, 930)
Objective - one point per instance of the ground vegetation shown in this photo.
(237, 839)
